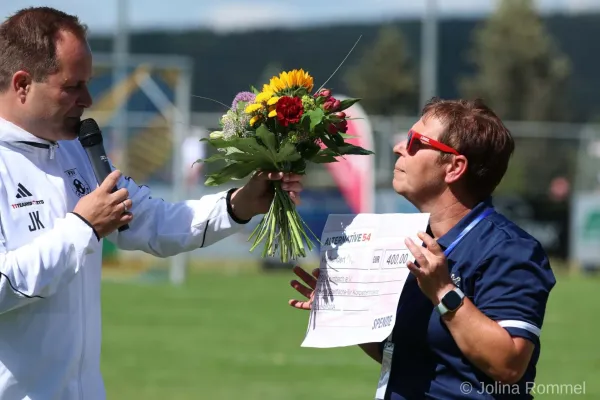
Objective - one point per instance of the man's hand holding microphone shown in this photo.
(104, 209)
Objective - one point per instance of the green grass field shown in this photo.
(231, 335)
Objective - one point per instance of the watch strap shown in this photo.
(441, 308)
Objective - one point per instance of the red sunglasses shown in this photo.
(413, 135)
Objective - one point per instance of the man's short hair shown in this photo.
(476, 132)
(28, 42)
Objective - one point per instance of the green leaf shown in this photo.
(299, 166)
(243, 157)
(232, 171)
(230, 154)
(321, 158)
(231, 150)
(356, 150)
(309, 150)
(288, 153)
(249, 146)
(316, 117)
(264, 155)
(348, 149)
(346, 136)
(299, 92)
(347, 103)
(338, 140)
(221, 143)
(267, 137)
(329, 142)
(305, 122)
(214, 157)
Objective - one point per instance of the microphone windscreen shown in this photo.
(89, 132)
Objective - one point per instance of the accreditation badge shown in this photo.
(386, 367)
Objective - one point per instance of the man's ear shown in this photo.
(21, 84)
(456, 168)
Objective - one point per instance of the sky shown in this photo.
(236, 15)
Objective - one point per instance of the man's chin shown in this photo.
(71, 129)
(68, 136)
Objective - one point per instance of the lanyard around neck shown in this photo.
(480, 217)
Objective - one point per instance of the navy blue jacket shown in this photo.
(506, 274)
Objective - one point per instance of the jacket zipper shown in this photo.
(83, 330)
(53, 147)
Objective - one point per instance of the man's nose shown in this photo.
(85, 100)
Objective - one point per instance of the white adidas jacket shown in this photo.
(50, 262)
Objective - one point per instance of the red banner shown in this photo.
(353, 174)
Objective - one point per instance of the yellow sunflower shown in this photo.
(254, 107)
(263, 97)
(264, 101)
(255, 119)
(291, 80)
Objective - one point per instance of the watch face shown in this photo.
(452, 300)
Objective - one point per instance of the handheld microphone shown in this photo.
(91, 140)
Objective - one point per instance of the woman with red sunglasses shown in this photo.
(469, 317)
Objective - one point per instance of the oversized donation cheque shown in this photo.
(362, 274)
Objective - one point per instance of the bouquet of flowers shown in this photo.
(281, 128)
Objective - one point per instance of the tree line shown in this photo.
(526, 66)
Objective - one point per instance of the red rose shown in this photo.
(289, 110)
(331, 104)
(332, 129)
(342, 126)
(323, 93)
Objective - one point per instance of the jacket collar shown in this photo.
(12, 133)
(447, 239)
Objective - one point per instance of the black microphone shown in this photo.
(91, 140)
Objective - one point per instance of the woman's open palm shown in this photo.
(307, 290)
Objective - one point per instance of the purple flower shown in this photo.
(245, 97)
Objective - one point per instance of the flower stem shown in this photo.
(282, 229)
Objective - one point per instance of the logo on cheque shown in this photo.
(344, 238)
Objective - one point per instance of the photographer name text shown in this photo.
(556, 389)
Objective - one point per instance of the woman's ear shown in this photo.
(456, 168)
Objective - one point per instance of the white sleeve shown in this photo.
(40, 268)
(165, 229)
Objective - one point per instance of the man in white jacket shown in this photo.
(53, 217)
